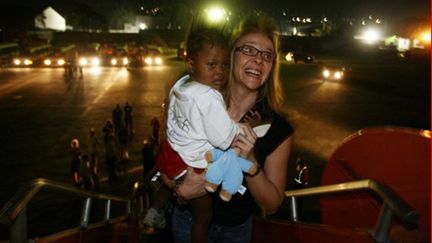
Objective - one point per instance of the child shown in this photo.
(197, 117)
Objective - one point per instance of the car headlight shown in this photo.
(95, 61)
(61, 62)
(83, 61)
(158, 61)
(125, 61)
(113, 61)
(47, 62)
(17, 62)
(326, 73)
(148, 60)
(338, 75)
(28, 62)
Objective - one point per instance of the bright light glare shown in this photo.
(83, 61)
(113, 61)
(216, 14)
(17, 62)
(371, 35)
(403, 44)
(426, 37)
(125, 61)
(47, 62)
(148, 60)
(326, 73)
(338, 75)
(28, 62)
(158, 61)
(61, 62)
(95, 61)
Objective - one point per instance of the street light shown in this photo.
(370, 35)
(216, 14)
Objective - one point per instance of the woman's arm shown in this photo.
(192, 185)
(267, 187)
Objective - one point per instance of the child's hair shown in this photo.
(200, 35)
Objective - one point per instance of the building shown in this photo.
(50, 19)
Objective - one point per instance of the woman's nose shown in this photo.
(258, 58)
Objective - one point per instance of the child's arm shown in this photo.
(220, 129)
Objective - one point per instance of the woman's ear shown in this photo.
(189, 65)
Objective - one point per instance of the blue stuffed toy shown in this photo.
(227, 169)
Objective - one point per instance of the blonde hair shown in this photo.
(272, 88)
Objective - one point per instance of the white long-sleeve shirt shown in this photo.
(198, 121)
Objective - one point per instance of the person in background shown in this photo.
(86, 174)
(110, 145)
(155, 124)
(253, 90)
(117, 115)
(92, 143)
(128, 117)
(302, 177)
(76, 162)
(77, 64)
(301, 181)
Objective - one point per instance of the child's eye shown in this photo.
(211, 64)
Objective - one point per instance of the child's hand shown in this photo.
(252, 117)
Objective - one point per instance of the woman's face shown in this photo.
(251, 67)
(210, 66)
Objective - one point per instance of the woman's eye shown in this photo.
(247, 49)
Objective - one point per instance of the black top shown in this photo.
(241, 207)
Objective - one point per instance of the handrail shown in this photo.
(22, 197)
(396, 204)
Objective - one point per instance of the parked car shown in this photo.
(113, 55)
(88, 56)
(8, 51)
(30, 56)
(57, 57)
(153, 57)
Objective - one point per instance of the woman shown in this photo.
(253, 92)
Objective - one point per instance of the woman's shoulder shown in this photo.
(281, 120)
(280, 126)
(280, 130)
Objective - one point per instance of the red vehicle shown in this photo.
(375, 188)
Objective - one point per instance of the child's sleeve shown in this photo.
(218, 126)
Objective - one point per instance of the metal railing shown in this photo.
(14, 214)
(393, 205)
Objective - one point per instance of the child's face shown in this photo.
(210, 66)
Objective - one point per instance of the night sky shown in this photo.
(346, 8)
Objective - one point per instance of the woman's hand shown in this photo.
(245, 142)
(192, 186)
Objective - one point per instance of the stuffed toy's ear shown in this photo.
(261, 130)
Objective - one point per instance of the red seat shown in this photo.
(397, 157)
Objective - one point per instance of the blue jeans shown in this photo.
(182, 223)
